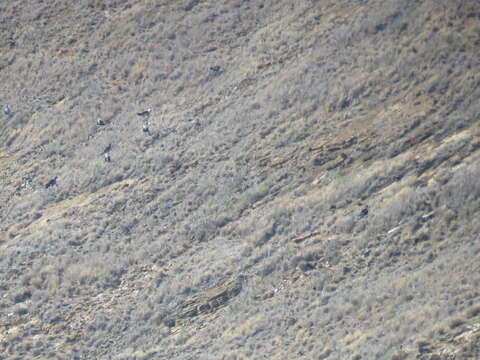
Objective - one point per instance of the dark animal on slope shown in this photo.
(107, 149)
(145, 113)
(100, 122)
(364, 212)
(51, 182)
(7, 111)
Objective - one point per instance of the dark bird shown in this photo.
(215, 68)
(51, 182)
(100, 122)
(364, 212)
(146, 129)
(107, 149)
(7, 111)
(145, 113)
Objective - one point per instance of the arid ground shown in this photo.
(306, 185)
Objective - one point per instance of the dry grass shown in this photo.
(259, 172)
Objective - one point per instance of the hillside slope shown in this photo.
(307, 187)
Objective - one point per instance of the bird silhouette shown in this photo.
(51, 182)
(7, 111)
(144, 113)
(107, 149)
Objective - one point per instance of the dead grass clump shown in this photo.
(457, 322)
(463, 188)
(255, 193)
(21, 295)
(474, 312)
(201, 228)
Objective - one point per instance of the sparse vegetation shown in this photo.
(307, 187)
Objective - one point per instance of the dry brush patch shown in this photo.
(325, 150)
